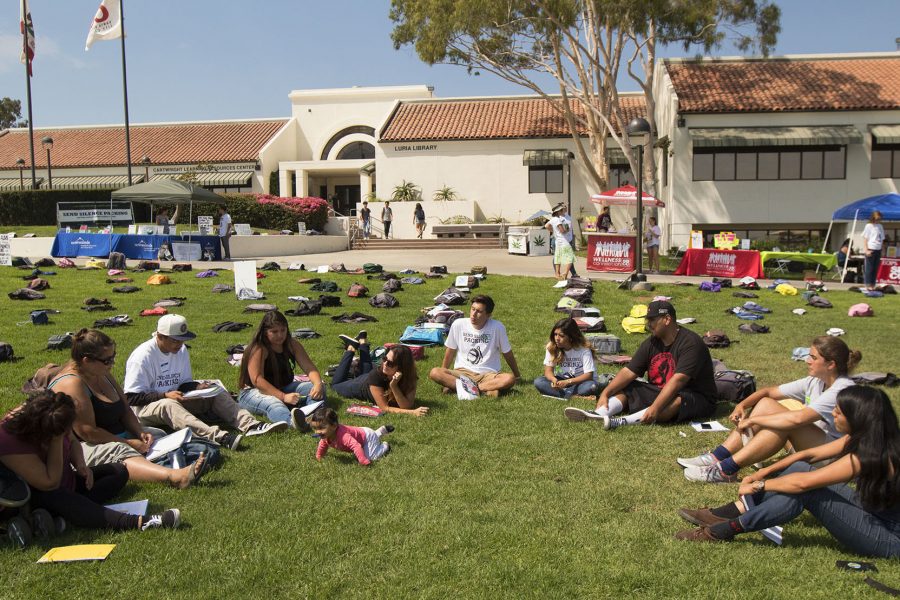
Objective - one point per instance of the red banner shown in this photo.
(889, 271)
(721, 263)
(610, 252)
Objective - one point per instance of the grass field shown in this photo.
(485, 499)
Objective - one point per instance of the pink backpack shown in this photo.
(861, 310)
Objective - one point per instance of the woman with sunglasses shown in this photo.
(107, 427)
(864, 518)
(392, 386)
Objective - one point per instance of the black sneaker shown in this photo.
(170, 519)
(363, 334)
(349, 341)
(230, 440)
(389, 428)
(262, 428)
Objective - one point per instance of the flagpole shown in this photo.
(125, 95)
(28, 91)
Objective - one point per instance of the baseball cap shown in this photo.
(660, 308)
(175, 327)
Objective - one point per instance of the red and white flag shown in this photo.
(26, 27)
(106, 25)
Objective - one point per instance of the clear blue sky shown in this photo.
(224, 59)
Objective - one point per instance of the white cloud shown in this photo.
(46, 50)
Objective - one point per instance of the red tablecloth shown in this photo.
(721, 263)
(889, 271)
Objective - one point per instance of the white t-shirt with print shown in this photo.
(874, 236)
(478, 350)
(575, 362)
(811, 392)
(149, 369)
(653, 235)
(224, 224)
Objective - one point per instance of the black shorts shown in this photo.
(640, 395)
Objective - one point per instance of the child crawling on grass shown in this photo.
(363, 442)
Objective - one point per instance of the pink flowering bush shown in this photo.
(312, 211)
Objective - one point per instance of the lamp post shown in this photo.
(145, 160)
(47, 143)
(638, 134)
(21, 164)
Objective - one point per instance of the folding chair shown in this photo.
(781, 266)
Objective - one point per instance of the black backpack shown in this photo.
(59, 342)
(442, 269)
(270, 266)
(734, 386)
(372, 268)
(6, 352)
(229, 326)
(325, 286)
(819, 302)
(126, 289)
(327, 300)
(25, 294)
(384, 300)
(716, 338)
(752, 328)
(116, 321)
(305, 308)
(305, 334)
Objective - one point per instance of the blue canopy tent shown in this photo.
(887, 204)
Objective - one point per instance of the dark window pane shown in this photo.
(356, 150)
(554, 180)
(746, 166)
(724, 166)
(896, 172)
(812, 164)
(536, 181)
(881, 163)
(768, 166)
(790, 165)
(834, 164)
(703, 167)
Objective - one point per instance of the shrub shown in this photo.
(445, 194)
(274, 183)
(310, 210)
(406, 192)
(38, 207)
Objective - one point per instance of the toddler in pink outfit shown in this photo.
(363, 442)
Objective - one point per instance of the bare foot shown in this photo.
(190, 474)
(492, 393)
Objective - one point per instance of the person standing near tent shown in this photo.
(163, 220)
(652, 234)
(225, 230)
(874, 236)
(604, 222)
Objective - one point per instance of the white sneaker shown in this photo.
(261, 428)
(613, 422)
(703, 460)
(711, 474)
(578, 415)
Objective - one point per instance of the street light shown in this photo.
(639, 134)
(145, 160)
(21, 164)
(47, 143)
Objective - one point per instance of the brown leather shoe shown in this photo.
(701, 517)
(700, 534)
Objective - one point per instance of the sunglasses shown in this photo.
(390, 363)
(106, 361)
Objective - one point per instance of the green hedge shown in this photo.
(38, 207)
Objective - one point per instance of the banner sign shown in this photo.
(243, 229)
(5, 250)
(888, 271)
(725, 239)
(611, 253)
(81, 244)
(205, 225)
(68, 212)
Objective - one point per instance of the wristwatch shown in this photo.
(759, 486)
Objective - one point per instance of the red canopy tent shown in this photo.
(624, 196)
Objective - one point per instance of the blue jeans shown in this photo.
(836, 507)
(871, 267)
(274, 409)
(585, 388)
(367, 228)
(358, 387)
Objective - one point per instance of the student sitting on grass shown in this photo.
(864, 518)
(267, 374)
(104, 422)
(36, 443)
(568, 363)
(363, 442)
(798, 412)
(392, 386)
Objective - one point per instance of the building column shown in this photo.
(365, 185)
(284, 183)
(302, 190)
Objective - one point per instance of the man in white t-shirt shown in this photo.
(158, 375)
(474, 346)
(225, 230)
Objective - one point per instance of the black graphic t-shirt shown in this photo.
(687, 354)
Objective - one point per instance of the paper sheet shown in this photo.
(215, 387)
(77, 553)
(708, 426)
(244, 275)
(137, 508)
(171, 442)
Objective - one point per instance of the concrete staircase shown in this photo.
(427, 244)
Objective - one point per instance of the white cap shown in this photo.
(175, 327)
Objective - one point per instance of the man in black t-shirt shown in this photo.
(680, 382)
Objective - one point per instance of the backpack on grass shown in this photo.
(116, 261)
(734, 386)
(716, 338)
(384, 300)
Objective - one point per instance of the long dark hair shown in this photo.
(834, 349)
(43, 416)
(270, 320)
(406, 364)
(570, 329)
(874, 440)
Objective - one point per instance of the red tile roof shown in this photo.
(485, 119)
(786, 85)
(182, 143)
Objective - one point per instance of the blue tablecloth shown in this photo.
(140, 247)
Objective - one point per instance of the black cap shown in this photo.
(660, 308)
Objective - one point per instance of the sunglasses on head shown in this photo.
(106, 361)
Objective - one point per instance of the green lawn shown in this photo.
(485, 499)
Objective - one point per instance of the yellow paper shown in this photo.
(76, 553)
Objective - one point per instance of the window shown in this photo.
(770, 164)
(620, 175)
(545, 180)
(356, 150)
(885, 161)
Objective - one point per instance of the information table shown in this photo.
(829, 261)
(611, 252)
(888, 271)
(140, 247)
(721, 263)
